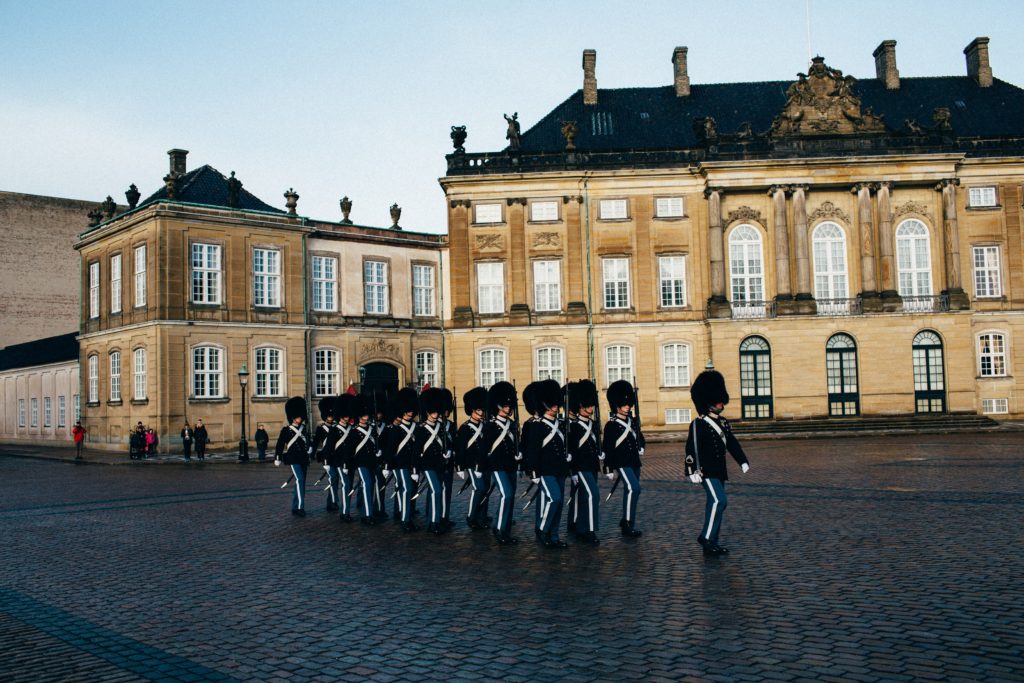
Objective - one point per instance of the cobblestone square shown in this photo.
(892, 558)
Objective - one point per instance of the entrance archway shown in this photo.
(379, 377)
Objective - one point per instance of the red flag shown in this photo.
(351, 391)
(425, 387)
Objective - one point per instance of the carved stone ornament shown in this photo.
(547, 239)
(569, 131)
(379, 348)
(459, 139)
(821, 102)
(745, 213)
(491, 241)
(828, 210)
(911, 206)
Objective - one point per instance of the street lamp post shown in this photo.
(362, 378)
(243, 443)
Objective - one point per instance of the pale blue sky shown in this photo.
(357, 98)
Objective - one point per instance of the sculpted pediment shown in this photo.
(821, 102)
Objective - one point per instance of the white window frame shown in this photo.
(487, 214)
(62, 411)
(325, 283)
(490, 283)
(615, 282)
(669, 207)
(672, 285)
(94, 290)
(544, 211)
(492, 366)
(995, 406)
(34, 412)
(678, 416)
(828, 247)
(987, 275)
(47, 411)
(547, 285)
(93, 364)
(140, 275)
(21, 413)
(913, 277)
(139, 374)
(423, 290)
(268, 375)
(326, 372)
(375, 287)
(675, 365)
(266, 277)
(550, 363)
(982, 197)
(613, 210)
(746, 265)
(618, 363)
(115, 283)
(208, 377)
(427, 367)
(114, 360)
(991, 354)
(207, 273)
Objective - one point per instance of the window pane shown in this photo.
(612, 209)
(668, 207)
(544, 211)
(488, 213)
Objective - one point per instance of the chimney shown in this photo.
(589, 79)
(885, 64)
(977, 62)
(177, 160)
(682, 79)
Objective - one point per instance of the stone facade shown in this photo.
(39, 403)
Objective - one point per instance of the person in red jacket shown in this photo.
(78, 434)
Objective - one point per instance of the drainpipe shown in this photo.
(440, 287)
(307, 333)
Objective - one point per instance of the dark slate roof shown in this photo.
(206, 185)
(993, 112)
(40, 352)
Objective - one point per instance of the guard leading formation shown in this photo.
(410, 449)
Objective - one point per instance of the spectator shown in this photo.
(186, 440)
(137, 443)
(150, 442)
(201, 439)
(78, 434)
(262, 440)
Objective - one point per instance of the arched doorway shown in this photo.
(841, 371)
(378, 377)
(929, 378)
(756, 379)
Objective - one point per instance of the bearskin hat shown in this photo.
(530, 399)
(344, 406)
(295, 407)
(407, 401)
(431, 401)
(474, 399)
(501, 394)
(391, 410)
(707, 390)
(361, 405)
(326, 406)
(620, 393)
(549, 395)
(447, 400)
(582, 394)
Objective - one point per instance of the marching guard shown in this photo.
(405, 461)
(380, 423)
(448, 473)
(471, 456)
(324, 438)
(294, 448)
(623, 445)
(528, 460)
(550, 461)
(364, 457)
(431, 436)
(340, 473)
(501, 438)
(585, 448)
(709, 438)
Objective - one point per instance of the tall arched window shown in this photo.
(929, 379)
(841, 372)
(756, 378)
(550, 363)
(493, 367)
(746, 269)
(269, 369)
(207, 372)
(830, 277)
(618, 363)
(914, 262)
(326, 369)
(94, 379)
(139, 375)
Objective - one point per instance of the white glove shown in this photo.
(478, 474)
(610, 475)
(575, 479)
(696, 478)
(277, 463)
(462, 474)
(447, 455)
(601, 457)
(327, 468)
(641, 451)
(309, 451)
(386, 473)
(414, 476)
(535, 480)
(568, 457)
(744, 468)
(518, 457)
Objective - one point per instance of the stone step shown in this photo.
(924, 423)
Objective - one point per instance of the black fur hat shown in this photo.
(391, 410)
(344, 409)
(582, 394)
(530, 398)
(326, 406)
(361, 405)
(295, 407)
(501, 394)
(447, 400)
(431, 401)
(620, 393)
(474, 399)
(707, 390)
(408, 401)
(549, 394)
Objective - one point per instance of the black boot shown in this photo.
(347, 518)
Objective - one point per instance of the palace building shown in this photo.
(834, 246)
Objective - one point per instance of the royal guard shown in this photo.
(550, 460)
(528, 456)
(406, 455)
(380, 423)
(340, 472)
(387, 442)
(709, 438)
(448, 474)
(585, 448)
(364, 456)
(623, 446)
(501, 438)
(324, 438)
(434, 454)
(294, 448)
(471, 456)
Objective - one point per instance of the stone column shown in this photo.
(891, 300)
(951, 239)
(519, 311)
(804, 299)
(870, 300)
(784, 297)
(574, 274)
(718, 305)
(460, 262)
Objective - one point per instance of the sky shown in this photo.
(358, 98)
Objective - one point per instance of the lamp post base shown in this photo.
(243, 450)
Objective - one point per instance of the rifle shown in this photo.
(291, 478)
(530, 502)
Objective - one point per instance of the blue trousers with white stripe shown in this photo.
(367, 490)
(477, 505)
(588, 499)
(505, 486)
(630, 493)
(436, 494)
(345, 475)
(714, 508)
(299, 495)
(404, 487)
(554, 488)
